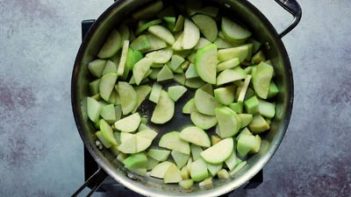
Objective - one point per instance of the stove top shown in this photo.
(97, 180)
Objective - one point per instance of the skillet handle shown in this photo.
(294, 8)
(96, 180)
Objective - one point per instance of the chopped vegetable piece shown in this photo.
(164, 74)
(228, 64)
(261, 79)
(93, 109)
(186, 184)
(266, 109)
(106, 132)
(172, 141)
(164, 109)
(96, 67)
(135, 161)
(237, 107)
(191, 72)
(198, 171)
(215, 139)
(103, 140)
(175, 92)
(127, 96)
(230, 75)
(191, 35)
(179, 158)
(160, 170)
(219, 152)
(141, 68)
(111, 46)
(172, 175)
(194, 83)
(107, 82)
(242, 52)
(273, 90)
(161, 56)
(142, 92)
(195, 136)
(159, 154)
(195, 151)
(162, 33)
(108, 113)
(123, 59)
(251, 105)
(203, 121)
(189, 107)
(206, 63)
(207, 26)
(214, 168)
(258, 124)
(155, 93)
(234, 32)
(223, 174)
(204, 102)
(142, 26)
(228, 121)
(206, 184)
(225, 95)
(141, 43)
(129, 123)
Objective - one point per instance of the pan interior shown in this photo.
(263, 31)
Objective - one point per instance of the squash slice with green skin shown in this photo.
(195, 136)
(179, 158)
(141, 68)
(107, 82)
(206, 63)
(164, 109)
(219, 152)
(261, 79)
(161, 56)
(96, 67)
(163, 33)
(207, 26)
(142, 92)
(172, 175)
(229, 122)
(128, 146)
(128, 97)
(123, 60)
(234, 32)
(111, 46)
(230, 75)
(129, 123)
(204, 102)
(107, 132)
(198, 171)
(160, 170)
(158, 154)
(191, 35)
(173, 141)
(241, 52)
(136, 161)
(93, 109)
(203, 121)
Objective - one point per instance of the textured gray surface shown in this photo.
(41, 151)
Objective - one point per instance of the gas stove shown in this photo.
(97, 180)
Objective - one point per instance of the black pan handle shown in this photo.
(294, 8)
(96, 179)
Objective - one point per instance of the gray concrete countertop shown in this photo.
(41, 152)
